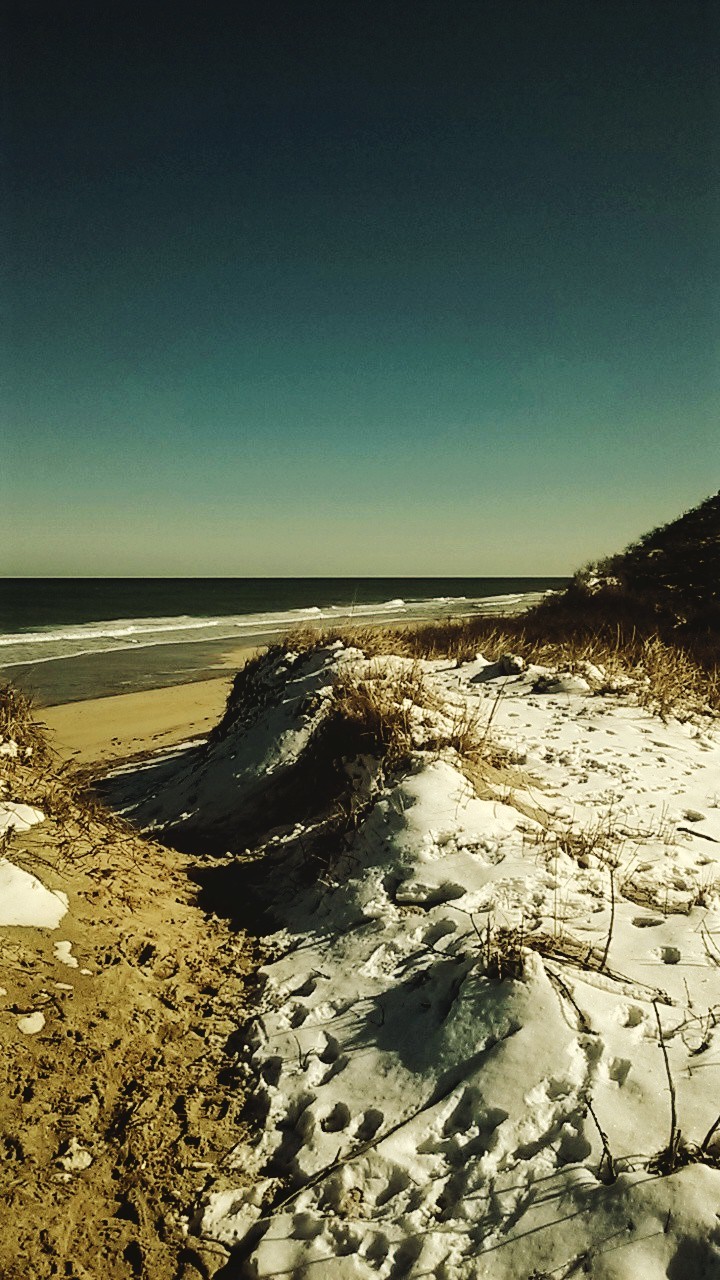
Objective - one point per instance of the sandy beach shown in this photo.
(130, 724)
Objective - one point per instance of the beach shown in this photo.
(121, 726)
(104, 1018)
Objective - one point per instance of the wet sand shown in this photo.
(129, 724)
(115, 672)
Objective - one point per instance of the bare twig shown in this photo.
(710, 946)
(611, 925)
(607, 1155)
(674, 1144)
(709, 1135)
(555, 978)
(491, 717)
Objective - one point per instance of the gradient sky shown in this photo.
(356, 287)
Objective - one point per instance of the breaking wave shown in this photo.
(103, 636)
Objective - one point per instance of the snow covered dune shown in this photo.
(489, 1041)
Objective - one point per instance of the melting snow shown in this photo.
(63, 953)
(19, 817)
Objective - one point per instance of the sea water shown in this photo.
(69, 638)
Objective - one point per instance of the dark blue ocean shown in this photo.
(69, 638)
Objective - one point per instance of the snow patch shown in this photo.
(31, 1023)
(18, 817)
(63, 952)
(24, 900)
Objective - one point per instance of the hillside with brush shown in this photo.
(647, 620)
(668, 582)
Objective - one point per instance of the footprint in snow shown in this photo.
(271, 1071)
(331, 1051)
(337, 1119)
(398, 1182)
(436, 932)
(369, 1125)
(619, 1070)
(306, 988)
(632, 1016)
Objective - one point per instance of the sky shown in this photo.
(371, 287)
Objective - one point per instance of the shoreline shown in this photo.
(115, 727)
(121, 726)
(65, 681)
(136, 653)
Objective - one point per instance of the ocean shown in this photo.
(63, 639)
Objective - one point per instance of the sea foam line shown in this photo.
(151, 633)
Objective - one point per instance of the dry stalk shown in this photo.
(667, 1161)
(610, 1173)
(709, 1135)
(611, 925)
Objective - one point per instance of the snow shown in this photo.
(31, 1023)
(490, 971)
(298, 694)
(75, 1158)
(24, 900)
(18, 817)
(63, 952)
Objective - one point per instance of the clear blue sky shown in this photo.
(325, 288)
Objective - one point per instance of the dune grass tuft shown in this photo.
(18, 724)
